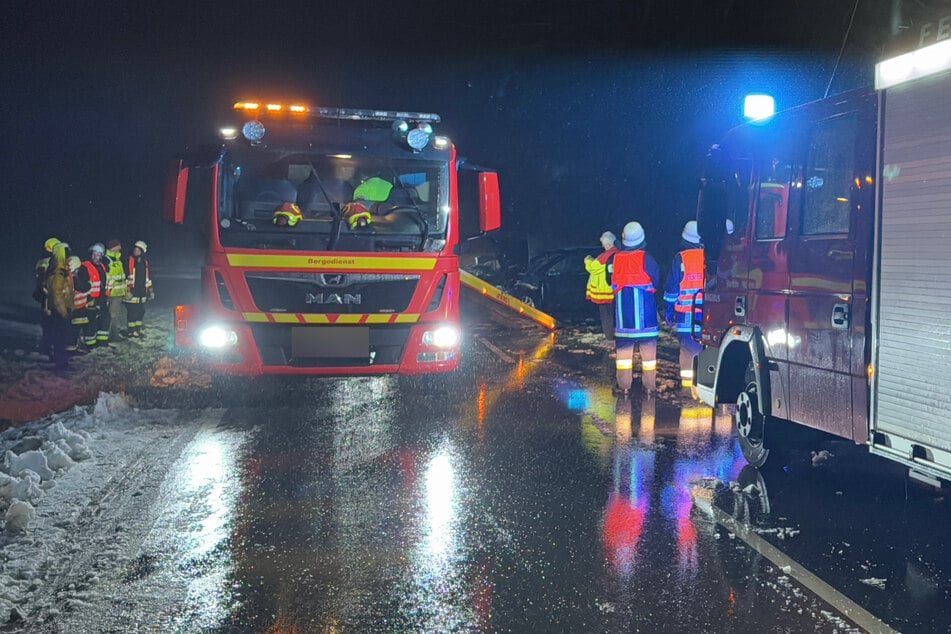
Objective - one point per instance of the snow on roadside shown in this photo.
(50, 472)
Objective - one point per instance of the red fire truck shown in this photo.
(332, 241)
(828, 304)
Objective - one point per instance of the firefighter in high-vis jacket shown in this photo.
(599, 291)
(139, 288)
(98, 330)
(684, 296)
(39, 294)
(58, 304)
(81, 311)
(115, 285)
(635, 278)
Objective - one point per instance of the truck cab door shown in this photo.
(821, 263)
(768, 284)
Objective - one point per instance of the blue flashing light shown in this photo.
(759, 107)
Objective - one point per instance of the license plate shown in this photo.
(340, 342)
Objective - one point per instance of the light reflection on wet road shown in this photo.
(507, 498)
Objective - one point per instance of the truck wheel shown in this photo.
(751, 424)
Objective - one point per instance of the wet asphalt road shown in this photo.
(519, 495)
(516, 495)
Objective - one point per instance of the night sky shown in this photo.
(595, 113)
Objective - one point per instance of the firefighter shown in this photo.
(684, 296)
(80, 317)
(39, 294)
(599, 291)
(98, 331)
(58, 304)
(635, 279)
(115, 285)
(139, 288)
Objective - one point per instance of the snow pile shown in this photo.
(27, 471)
(38, 501)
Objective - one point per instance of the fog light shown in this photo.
(442, 337)
(217, 337)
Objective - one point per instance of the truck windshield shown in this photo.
(345, 203)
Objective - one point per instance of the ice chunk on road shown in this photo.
(26, 487)
(19, 516)
(34, 460)
(76, 447)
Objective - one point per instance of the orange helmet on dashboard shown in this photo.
(357, 215)
(288, 215)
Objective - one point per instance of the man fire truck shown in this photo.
(332, 246)
(828, 305)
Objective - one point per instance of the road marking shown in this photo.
(495, 349)
(849, 608)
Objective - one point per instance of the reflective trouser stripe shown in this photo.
(686, 378)
(624, 364)
(649, 366)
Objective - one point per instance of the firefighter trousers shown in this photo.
(624, 363)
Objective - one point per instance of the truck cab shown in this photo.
(786, 304)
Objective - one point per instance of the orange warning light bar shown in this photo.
(272, 107)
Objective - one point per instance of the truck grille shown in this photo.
(331, 293)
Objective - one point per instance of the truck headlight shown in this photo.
(217, 337)
(441, 337)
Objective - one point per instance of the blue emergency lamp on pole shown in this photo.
(759, 107)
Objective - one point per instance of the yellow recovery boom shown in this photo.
(485, 289)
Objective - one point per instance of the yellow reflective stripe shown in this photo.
(378, 319)
(406, 319)
(316, 319)
(285, 318)
(686, 383)
(349, 319)
(334, 263)
(255, 317)
(649, 366)
(624, 364)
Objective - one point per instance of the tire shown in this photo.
(751, 423)
(528, 300)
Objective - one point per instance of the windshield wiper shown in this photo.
(334, 210)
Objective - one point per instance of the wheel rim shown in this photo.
(528, 300)
(750, 426)
(749, 421)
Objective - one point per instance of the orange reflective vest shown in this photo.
(629, 271)
(691, 283)
(95, 279)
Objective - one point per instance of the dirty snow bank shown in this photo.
(49, 472)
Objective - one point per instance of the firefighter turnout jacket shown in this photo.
(684, 289)
(634, 281)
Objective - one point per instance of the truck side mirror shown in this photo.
(176, 186)
(490, 203)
